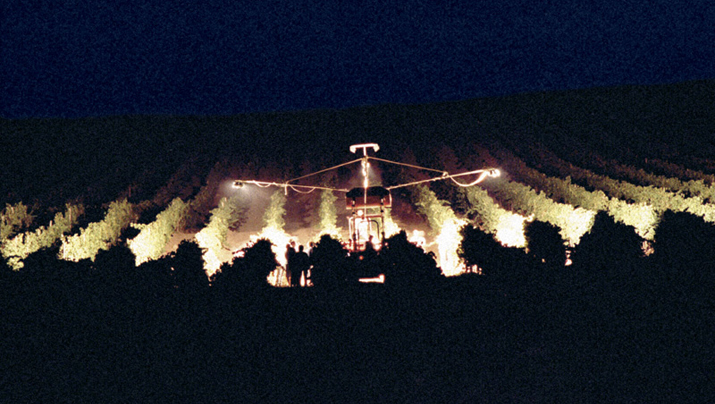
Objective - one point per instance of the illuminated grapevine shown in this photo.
(18, 248)
(99, 235)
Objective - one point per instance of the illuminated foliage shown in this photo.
(507, 227)
(642, 216)
(273, 223)
(573, 222)
(448, 243)
(212, 238)
(16, 249)
(435, 210)
(660, 199)
(676, 181)
(13, 219)
(328, 213)
(200, 206)
(273, 216)
(678, 171)
(391, 228)
(642, 177)
(149, 244)
(99, 235)
(444, 158)
(445, 223)
(510, 230)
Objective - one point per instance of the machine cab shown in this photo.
(367, 218)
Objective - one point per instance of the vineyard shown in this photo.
(556, 176)
(537, 185)
(137, 267)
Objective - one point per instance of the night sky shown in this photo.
(79, 59)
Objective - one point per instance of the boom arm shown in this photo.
(483, 174)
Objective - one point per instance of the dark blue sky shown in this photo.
(79, 58)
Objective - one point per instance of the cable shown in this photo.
(481, 178)
(265, 184)
(445, 175)
(301, 192)
(484, 174)
(406, 165)
(324, 170)
(414, 183)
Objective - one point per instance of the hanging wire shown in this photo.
(479, 179)
(445, 175)
(295, 187)
(324, 170)
(484, 173)
(413, 183)
(406, 165)
(263, 184)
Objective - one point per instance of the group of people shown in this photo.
(297, 264)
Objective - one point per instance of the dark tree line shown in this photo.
(615, 323)
(680, 256)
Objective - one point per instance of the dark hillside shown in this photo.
(58, 159)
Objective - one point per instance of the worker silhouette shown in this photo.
(369, 253)
(300, 265)
(290, 256)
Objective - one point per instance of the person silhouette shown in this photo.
(301, 263)
(290, 255)
(369, 254)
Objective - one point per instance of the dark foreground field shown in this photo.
(467, 339)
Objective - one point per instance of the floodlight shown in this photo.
(364, 146)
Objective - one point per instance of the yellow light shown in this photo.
(391, 228)
(418, 238)
(576, 224)
(209, 241)
(448, 243)
(377, 279)
(280, 239)
(510, 230)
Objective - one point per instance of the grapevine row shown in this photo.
(659, 198)
(695, 187)
(573, 222)
(639, 215)
(99, 235)
(506, 227)
(16, 249)
(13, 219)
(149, 244)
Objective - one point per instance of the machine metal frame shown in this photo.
(367, 204)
